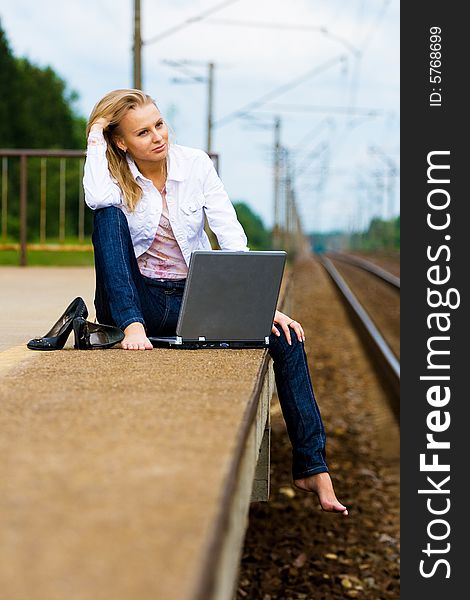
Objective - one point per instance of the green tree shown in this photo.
(38, 111)
(8, 92)
(380, 235)
(44, 117)
(258, 237)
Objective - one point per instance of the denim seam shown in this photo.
(309, 472)
(293, 396)
(125, 265)
(129, 321)
(315, 406)
(315, 410)
(287, 381)
(167, 312)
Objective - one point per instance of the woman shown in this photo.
(150, 199)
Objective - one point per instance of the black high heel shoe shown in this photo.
(89, 336)
(57, 336)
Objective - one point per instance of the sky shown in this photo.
(329, 69)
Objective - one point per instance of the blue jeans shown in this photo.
(123, 296)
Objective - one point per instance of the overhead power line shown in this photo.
(286, 26)
(190, 77)
(278, 91)
(201, 16)
(182, 67)
(310, 135)
(379, 152)
(375, 25)
(346, 110)
(317, 151)
(360, 55)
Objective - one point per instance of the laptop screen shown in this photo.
(231, 295)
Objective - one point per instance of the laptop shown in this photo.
(229, 300)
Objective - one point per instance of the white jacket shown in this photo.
(192, 189)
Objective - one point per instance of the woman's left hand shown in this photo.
(286, 324)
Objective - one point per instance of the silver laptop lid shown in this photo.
(230, 295)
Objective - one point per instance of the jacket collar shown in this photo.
(176, 171)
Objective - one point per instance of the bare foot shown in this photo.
(135, 338)
(322, 485)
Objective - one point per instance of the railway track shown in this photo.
(367, 266)
(379, 347)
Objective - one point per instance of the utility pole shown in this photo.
(137, 48)
(296, 224)
(277, 176)
(288, 207)
(138, 43)
(392, 173)
(191, 77)
(210, 106)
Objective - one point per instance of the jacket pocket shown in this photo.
(194, 204)
(193, 215)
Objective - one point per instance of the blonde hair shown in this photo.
(113, 107)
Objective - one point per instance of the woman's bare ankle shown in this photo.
(322, 485)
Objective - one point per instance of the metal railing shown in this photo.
(16, 201)
(27, 191)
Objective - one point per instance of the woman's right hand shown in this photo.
(100, 124)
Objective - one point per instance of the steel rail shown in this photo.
(387, 357)
(368, 266)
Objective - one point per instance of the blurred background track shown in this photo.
(293, 550)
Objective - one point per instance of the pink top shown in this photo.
(163, 260)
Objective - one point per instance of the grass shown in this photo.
(50, 258)
(55, 257)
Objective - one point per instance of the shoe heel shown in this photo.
(90, 336)
(56, 337)
(78, 332)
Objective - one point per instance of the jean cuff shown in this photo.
(132, 320)
(310, 472)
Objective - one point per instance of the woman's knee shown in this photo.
(109, 214)
(110, 217)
